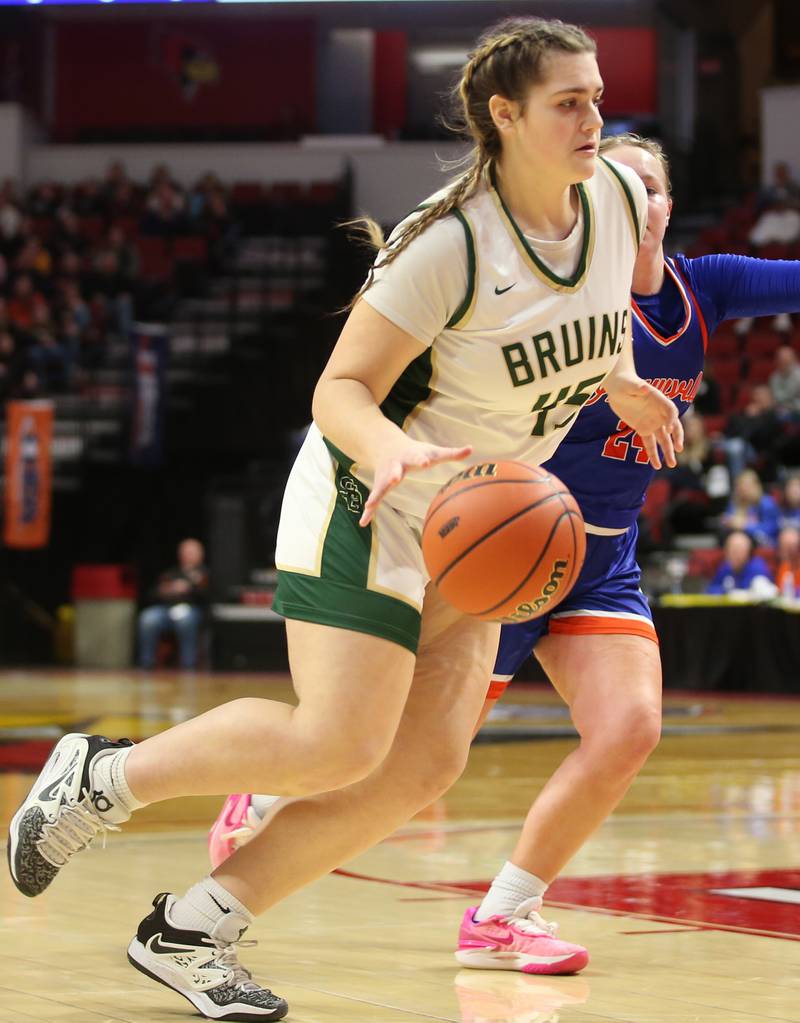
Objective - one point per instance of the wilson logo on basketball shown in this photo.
(449, 526)
(524, 611)
(475, 471)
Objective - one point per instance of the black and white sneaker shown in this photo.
(202, 967)
(60, 816)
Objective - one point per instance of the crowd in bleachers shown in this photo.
(739, 474)
(73, 261)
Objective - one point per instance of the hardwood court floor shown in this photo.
(688, 898)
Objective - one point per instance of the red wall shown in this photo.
(628, 64)
(134, 74)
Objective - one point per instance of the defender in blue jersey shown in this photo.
(599, 647)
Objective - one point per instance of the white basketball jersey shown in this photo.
(525, 348)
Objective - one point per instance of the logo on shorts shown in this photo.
(350, 493)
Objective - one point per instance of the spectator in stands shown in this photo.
(708, 400)
(178, 603)
(35, 260)
(752, 511)
(88, 199)
(782, 191)
(43, 200)
(742, 571)
(116, 177)
(691, 498)
(28, 387)
(753, 433)
(787, 578)
(11, 364)
(24, 303)
(47, 358)
(67, 235)
(790, 504)
(109, 292)
(785, 381)
(127, 259)
(164, 210)
(10, 223)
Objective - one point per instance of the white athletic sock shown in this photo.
(110, 794)
(206, 906)
(262, 803)
(512, 886)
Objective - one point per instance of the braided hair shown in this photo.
(507, 60)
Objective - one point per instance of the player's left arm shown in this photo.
(744, 285)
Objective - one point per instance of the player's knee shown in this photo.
(637, 734)
(336, 762)
(438, 769)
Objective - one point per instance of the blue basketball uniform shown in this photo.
(602, 460)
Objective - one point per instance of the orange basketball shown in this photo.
(504, 541)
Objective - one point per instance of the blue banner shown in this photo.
(150, 347)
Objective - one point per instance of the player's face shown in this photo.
(659, 204)
(557, 130)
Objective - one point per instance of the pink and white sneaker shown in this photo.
(522, 941)
(236, 824)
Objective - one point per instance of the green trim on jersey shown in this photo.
(538, 266)
(626, 191)
(340, 595)
(410, 390)
(462, 314)
(344, 461)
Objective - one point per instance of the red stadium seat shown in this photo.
(714, 424)
(726, 371)
(760, 370)
(654, 507)
(91, 228)
(155, 262)
(728, 395)
(190, 249)
(724, 345)
(247, 193)
(763, 344)
(705, 561)
(775, 250)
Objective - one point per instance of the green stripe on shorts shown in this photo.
(339, 596)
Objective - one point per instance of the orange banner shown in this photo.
(29, 433)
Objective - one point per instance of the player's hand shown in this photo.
(650, 414)
(390, 470)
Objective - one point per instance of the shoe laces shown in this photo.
(526, 918)
(241, 835)
(229, 959)
(74, 827)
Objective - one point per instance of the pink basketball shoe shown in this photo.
(235, 825)
(521, 941)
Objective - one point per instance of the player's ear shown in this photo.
(669, 209)
(504, 112)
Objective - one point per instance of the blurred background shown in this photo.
(171, 178)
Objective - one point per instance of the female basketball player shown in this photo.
(493, 315)
(599, 647)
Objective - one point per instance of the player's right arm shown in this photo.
(369, 357)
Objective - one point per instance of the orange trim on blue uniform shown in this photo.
(687, 308)
(700, 318)
(496, 689)
(605, 625)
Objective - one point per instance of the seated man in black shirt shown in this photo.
(178, 606)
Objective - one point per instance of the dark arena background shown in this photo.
(174, 178)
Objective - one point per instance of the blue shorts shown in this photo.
(605, 600)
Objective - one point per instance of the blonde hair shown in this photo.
(650, 146)
(507, 60)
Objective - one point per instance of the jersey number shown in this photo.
(577, 397)
(620, 443)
